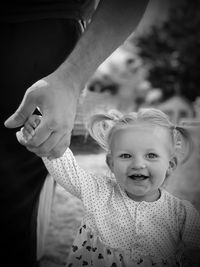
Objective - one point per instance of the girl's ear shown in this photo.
(172, 165)
(109, 161)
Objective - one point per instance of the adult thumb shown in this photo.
(19, 117)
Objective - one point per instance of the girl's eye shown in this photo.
(152, 156)
(125, 156)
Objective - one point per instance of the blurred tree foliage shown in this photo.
(103, 84)
(172, 51)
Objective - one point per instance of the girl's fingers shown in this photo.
(21, 139)
(32, 123)
(28, 132)
(34, 120)
(55, 146)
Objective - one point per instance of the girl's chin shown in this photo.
(143, 195)
(135, 198)
(137, 189)
(135, 195)
(136, 192)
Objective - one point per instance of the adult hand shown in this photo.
(57, 102)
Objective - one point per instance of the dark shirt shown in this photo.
(36, 37)
(18, 10)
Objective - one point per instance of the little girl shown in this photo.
(130, 220)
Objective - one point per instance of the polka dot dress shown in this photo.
(117, 231)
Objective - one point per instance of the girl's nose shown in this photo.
(138, 163)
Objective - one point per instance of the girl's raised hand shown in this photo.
(28, 131)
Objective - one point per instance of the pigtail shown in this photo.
(99, 125)
(185, 145)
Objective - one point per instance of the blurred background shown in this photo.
(158, 66)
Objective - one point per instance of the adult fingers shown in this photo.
(24, 110)
(53, 147)
(44, 131)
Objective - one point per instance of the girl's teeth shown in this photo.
(138, 177)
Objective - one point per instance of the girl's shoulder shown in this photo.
(170, 198)
(179, 205)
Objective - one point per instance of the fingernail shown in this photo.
(37, 122)
(34, 125)
(32, 133)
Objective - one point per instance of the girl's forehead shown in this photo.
(145, 127)
(141, 131)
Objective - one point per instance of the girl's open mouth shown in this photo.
(138, 177)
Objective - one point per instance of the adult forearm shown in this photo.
(111, 25)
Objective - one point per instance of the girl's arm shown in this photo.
(68, 173)
(65, 169)
(190, 234)
(190, 222)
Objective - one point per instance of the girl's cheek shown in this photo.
(122, 167)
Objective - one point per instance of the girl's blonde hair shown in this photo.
(102, 127)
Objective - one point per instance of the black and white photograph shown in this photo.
(100, 133)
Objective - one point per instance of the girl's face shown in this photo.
(140, 158)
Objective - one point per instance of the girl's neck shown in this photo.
(151, 198)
